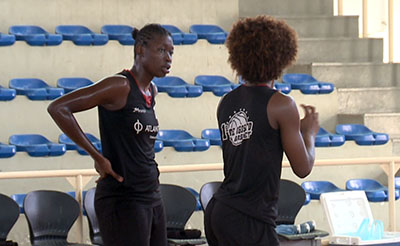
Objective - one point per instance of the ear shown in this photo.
(139, 50)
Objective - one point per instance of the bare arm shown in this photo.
(297, 136)
(110, 93)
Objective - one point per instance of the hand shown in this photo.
(309, 124)
(103, 167)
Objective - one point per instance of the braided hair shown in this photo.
(147, 33)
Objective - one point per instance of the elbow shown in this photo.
(52, 109)
(303, 173)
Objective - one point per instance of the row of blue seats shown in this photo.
(375, 191)
(37, 89)
(82, 35)
(37, 145)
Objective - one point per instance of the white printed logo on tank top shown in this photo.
(238, 128)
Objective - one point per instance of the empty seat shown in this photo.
(213, 33)
(73, 83)
(88, 205)
(307, 84)
(179, 205)
(327, 139)
(50, 216)
(218, 85)
(19, 199)
(361, 134)
(35, 35)
(397, 182)
(177, 87)
(6, 39)
(316, 188)
(122, 33)
(182, 140)
(213, 135)
(9, 214)
(37, 145)
(283, 87)
(207, 191)
(81, 35)
(7, 150)
(375, 191)
(180, 37)
(291, 199)
(7, 94)
(71, 145)
(197, 196)
(158, 146)
(35, 89)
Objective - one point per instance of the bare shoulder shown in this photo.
(281, 102)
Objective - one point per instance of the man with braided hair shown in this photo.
(127, 202)
(258, 123)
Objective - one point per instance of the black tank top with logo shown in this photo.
(252, 153)
(127, 138)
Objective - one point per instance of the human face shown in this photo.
(158, 56)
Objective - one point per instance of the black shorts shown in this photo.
(124, 222)
(225, 226)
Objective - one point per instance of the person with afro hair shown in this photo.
(257, 124)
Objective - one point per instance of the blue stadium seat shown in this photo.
(283, 87)
(218, 85)
(19, 199)
(35, 89)
(375, 191)
(158, 146)
(177, 87)
(327, 139)
(213, 33)
(397, 182)
(361, 134)
(213, 135)
(308, 199)
(180, 37)
(81, 35)
(35, 35)
(122, 33)
(73, 83)
(64, 139)
(6, 39)
(307, 84)
(182, 140)
(36, 145)
(7, 150)
(197, 195)
(316, 188)
(7, 94)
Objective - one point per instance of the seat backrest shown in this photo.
(207, 191)
(9, 213)
(88, 205)
(179, 204)
(50, 214)
(291, 199)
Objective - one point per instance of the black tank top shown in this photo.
(127, 138)
(252, 153)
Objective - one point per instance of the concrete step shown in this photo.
(368, 100)
(96, 13)
(285, 7)
(94, 62)
(352, 75)
(340, 50)
(323, 26)
(378, 122)
(190, 114)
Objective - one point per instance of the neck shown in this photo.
(142, 78)
(269, 84)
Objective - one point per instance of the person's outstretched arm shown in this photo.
(110, 93)
(298, 137)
